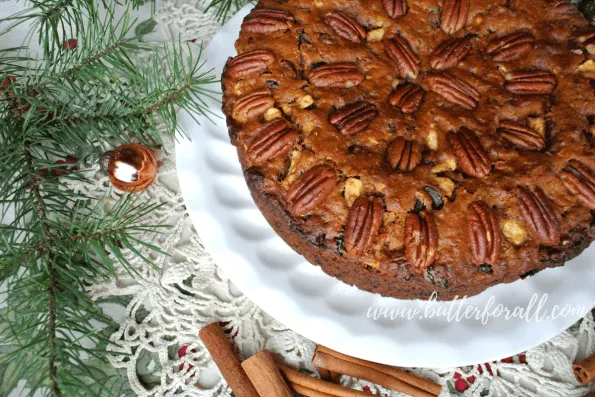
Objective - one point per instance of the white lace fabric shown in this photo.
(167, 307)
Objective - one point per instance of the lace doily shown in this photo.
(164, 309)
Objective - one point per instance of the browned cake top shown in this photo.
(451, 136)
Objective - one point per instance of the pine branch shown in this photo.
(57, 114)
(224, 8)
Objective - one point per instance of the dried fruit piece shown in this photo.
(395, 8)
(455, 90)
(588, 41)
(521, 136)
(471, 156)
(311, 188)
(264, 20)
(407, 97)
(275, 140)
(363, 222)
(337, 75)
(580, 180)
(484, 233)
(538, 214)
(511, 47)
(449, 53)
(353, 118)
(435, 196)
(252, 105)
(454, 15)
(404, 155)
(250, 62)
(531, 83)
(399, 50)
(421, 240)
(345, 26)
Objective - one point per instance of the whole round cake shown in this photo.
(408, 147)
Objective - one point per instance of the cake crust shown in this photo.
(445, 149)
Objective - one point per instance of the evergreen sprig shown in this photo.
(59, 112)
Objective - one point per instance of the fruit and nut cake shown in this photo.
(412, 146)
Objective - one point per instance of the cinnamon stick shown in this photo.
(329, 376)
(414, 380)
(265, 376)
(585, 370)
(313, 387)
(359, 371)
(228, 363)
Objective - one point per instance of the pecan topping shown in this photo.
(264, 20)
(353, 118)
(395, 8)
(531, 83)
(449, 53)
(538, 214)
(276, 139)
(363, 222)
(455, 90)
(252, 105)
(564, 7)
(588, 41)
(511, 47)
(407, 97)
(337, 75)
(454, 15)
(484, 233)
(399, 50)
(471, 156)
(311, 188)
(249, 63)
(345, 26)
(580, 180)
(521, 136)
(421, 240)
(403, 155)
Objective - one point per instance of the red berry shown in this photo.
(70, 44)
(507, 360)
(523, 358)
(367, 389)
(461, 385)
(471, 379)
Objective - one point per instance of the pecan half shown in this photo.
(564, 7)
(449, 53)
(455, 90)
(421, 240)
(454, 15)
(395, 8)
(588, 41)
(337, 75)
(264, 20)
(471, 156)
(538, 214)
(511, 47)
(249, 63)
(311, 188)
(403, 155)
(363, 222)
(345, 26)
(531, 83)
(580, 180)
(252, 105)
(353, 118)
(521, 136)
(274, 140)
(407, 97)
(484, 233)
(399, 50)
